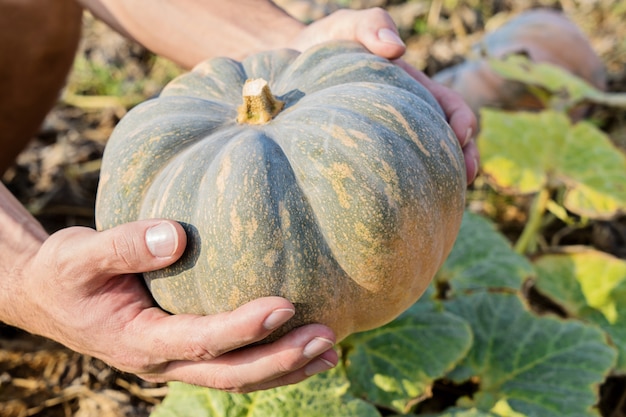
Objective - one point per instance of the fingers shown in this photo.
(196, 338)
(472, 160)
(373, 28)
(211, 350)
(376, 30)
(296, 356)
(126, 331)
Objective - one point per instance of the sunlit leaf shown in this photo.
(503, 409)
(541, 366)
(590, 285)
(524, 152)
(397, 363)
(567, 87)
(483, 258)
(551, 77)
(320, 396)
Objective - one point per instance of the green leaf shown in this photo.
(185, 400)
(523, 153)
(590, 285)
(541, 366)
(483, 258)
(567, 87)
(396, 364)
(319, 396)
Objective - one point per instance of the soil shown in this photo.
(56, 177)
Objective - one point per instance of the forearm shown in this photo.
(189, 31)
(20, 238)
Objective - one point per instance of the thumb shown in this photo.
(140, 246)
(373, 28)
(376, 30)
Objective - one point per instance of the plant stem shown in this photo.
(611, 99)
(528, 239)
(259, 104)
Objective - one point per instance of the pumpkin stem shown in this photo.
(259, 104)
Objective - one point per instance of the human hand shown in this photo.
(375, 30)
(80, 289)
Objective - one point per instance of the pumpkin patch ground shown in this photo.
(57, 179)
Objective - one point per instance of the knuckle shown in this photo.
(342, 13)
(378, 13)
(125, 250)
(235, 384)
(197, 352)
(284, 365)
(224, 378)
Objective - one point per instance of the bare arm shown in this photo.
(188, 31)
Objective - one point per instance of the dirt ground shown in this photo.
(56, 177)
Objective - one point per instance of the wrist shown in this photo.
(21, 236)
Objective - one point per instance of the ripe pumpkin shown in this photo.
(544, 35)
(337, 184)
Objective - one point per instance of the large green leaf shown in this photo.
(483, 258)
(541, 366)
(320, 396)
(396, 364)
(525, 152)
(590, 285)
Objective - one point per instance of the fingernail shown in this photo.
(468, 136)
(161, 240)
(316, 347)
(475, 168)
(278, 318)
(389, 36)
(317, 366)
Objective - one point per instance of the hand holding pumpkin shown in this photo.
(94, 304)
(78, 285)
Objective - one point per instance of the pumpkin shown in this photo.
(544, 35)
(330, 178)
